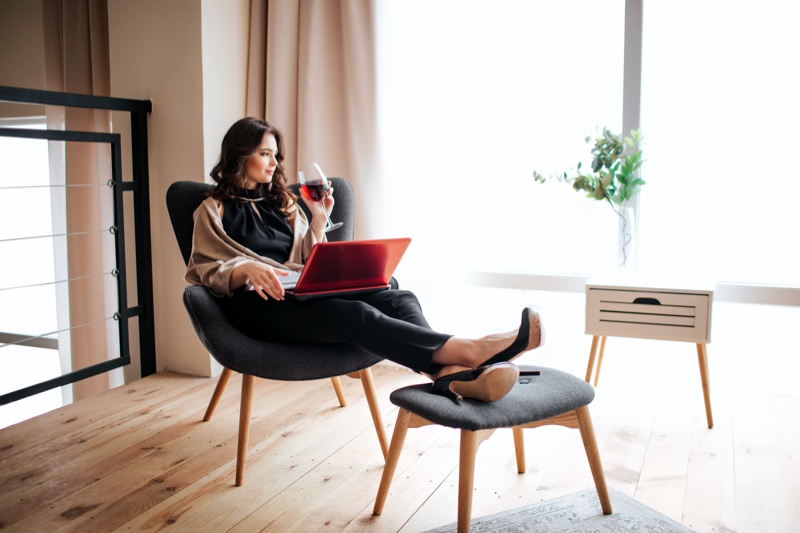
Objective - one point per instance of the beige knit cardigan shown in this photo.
(215, 255)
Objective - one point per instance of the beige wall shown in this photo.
(21, 52)
(188, 57)
(225, 27)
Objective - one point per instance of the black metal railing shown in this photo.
(136, 188)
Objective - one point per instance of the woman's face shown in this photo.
(262, 163)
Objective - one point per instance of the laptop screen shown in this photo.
(351, 264)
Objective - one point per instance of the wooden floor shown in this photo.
(139, 458)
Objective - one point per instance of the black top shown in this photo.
(269, 235)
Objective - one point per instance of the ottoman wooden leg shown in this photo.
(590, 444)
(398, 437)
(466, 476)
(519, 448)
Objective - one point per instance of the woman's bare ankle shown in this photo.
(470, 353)
(493, 344)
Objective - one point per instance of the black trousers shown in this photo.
(387, 323)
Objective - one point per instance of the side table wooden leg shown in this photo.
(600, 359)
(702, 358)
(592, 352)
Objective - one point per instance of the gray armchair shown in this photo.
(254, 358)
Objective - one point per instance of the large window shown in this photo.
(721, 110)
(480, 94)
(28, 342)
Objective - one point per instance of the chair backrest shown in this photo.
(183, 197)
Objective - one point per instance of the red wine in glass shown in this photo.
(315, 191)
(315, 184)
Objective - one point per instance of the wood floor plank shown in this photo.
(93, 431)
(662, 481)
(413, 485)
(285, 446)
(96, 454)
(151, 473)
(106, 457)
(542, 446)
(69, 419)
(137, 457)
(347, 479)
(282, 512)
(497, 485)
(710, 503)
(764, 445)
(209, 470)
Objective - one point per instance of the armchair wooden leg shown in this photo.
(398, 437)
(590, 444)
(519, 448)
(221, 384)
(466, 477)
(337, 386)
(372, 400)
(244, 426)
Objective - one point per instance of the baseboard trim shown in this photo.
(724, 291)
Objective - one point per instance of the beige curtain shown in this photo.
(77, 61)
(313, 75)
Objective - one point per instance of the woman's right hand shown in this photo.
(320, 210)
(262, 277)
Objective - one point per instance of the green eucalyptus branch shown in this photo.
(614, 169)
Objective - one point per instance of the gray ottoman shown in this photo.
(552, 397)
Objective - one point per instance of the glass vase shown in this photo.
(626, 241)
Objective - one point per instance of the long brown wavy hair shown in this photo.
(242, 140)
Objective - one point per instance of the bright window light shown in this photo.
(476, 97)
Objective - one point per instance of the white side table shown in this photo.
(649, 309)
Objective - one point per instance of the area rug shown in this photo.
(574, 513)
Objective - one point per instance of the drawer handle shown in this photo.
(647, 301)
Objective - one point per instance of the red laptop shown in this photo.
(347, 268)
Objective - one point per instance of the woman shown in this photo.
(250, 230)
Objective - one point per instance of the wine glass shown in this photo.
(315, 185)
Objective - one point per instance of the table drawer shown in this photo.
(648, 314)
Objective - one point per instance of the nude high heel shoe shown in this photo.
(487, 383)
(530, 336)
